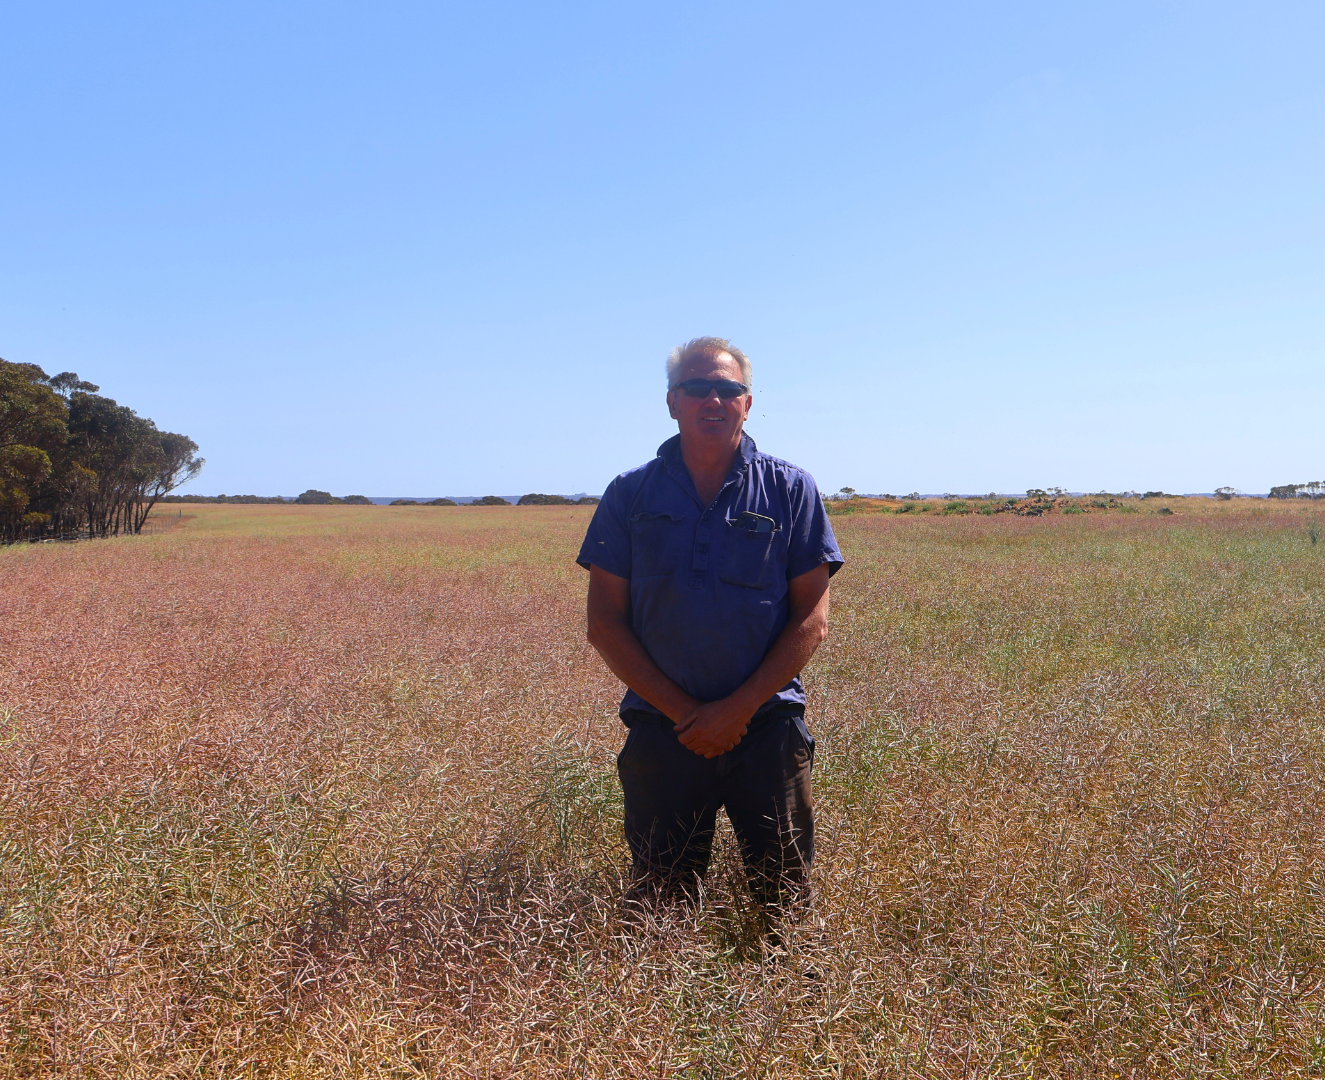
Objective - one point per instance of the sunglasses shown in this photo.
(702, 388)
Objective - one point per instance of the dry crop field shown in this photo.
(330, 791)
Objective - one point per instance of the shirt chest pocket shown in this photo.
(749, 557)
(654, 541)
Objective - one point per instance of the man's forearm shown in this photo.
(630, 662)
(783, 662)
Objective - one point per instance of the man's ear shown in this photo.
(671, 404)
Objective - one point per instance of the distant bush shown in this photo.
(490, 500)
(1313, 490)
(544, 500)
(357, 500)
(441, 502)
(588, 500)
(314, 497)
(403, 502)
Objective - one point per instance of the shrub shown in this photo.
(314, 497)
(403, 502)
(442, 502)
(490, 500)
(357, 500)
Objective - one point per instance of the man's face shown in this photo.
(710, 419)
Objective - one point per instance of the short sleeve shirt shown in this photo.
(708, 584)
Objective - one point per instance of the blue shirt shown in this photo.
(708, 584)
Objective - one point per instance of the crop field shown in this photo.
(330, 792)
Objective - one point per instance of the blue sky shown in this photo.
(425, 249)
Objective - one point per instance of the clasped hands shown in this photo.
(712, 728)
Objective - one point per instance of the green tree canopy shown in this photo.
(33, 433)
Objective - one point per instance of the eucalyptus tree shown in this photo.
(32, 432)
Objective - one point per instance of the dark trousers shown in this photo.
(673, 795)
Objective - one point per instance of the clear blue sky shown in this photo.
(440, 249)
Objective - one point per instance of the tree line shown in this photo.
(1314, 489)
(315, 497)
(74, 463)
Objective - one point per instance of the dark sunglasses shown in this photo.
(702, 388)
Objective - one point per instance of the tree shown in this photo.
(314, 497)
(174, 464)
(122, 452)
(543, 500)
(67, 382)
(33, 422)
(442, 502)
(73, 459)
(357, 500)
(22, 468)
(490, 500)
(403, 502)
(1226, 493)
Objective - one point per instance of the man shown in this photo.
(708, 593)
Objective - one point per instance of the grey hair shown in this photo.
(707, 346)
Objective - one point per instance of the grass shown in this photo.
(330, 791)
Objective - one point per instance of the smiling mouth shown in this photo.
(714, 419)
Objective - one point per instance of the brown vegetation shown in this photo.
(283, 795)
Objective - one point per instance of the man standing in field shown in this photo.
(708, 593)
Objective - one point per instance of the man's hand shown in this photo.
(714, 728)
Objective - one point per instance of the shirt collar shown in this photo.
(670, 452)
